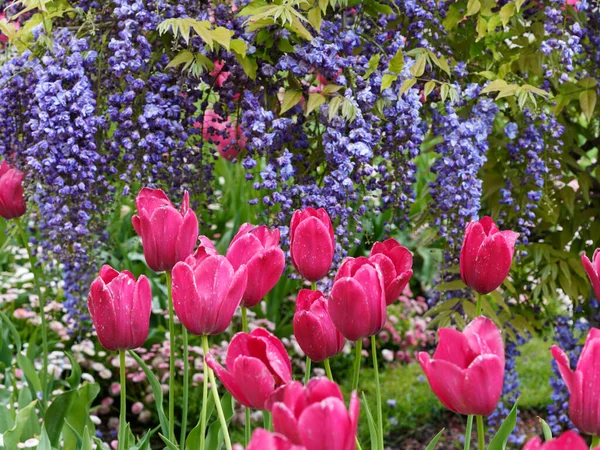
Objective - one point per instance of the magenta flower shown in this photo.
(12, 201)
(467, 370)
(120, 308)
(265, 440)
(317, 336)
(486, 255)
(257, 248)
(584, 404)
(257, 363)
(168, 235)
(592, 269)
(395, 263)
(569, 440)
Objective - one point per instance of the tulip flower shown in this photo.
(256, 364)
(265, 440)
(206, 293)
(582, 383)
(569, 440)
(467, 370)
(312, 243)
(395, 263)
(486, 255)
(357, 303)
(168, 235)
(257, 248)
(315, 416)
(120, 308)
(593, 270)
(12, 203)
(317, 336)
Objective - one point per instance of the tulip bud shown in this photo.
(256, 364)
(467, 370)
(315, 416)
(312, 243)
(206, 293)
(569, 440)
(582, 383)
(357, 303)
(265, 440)
(593, 270)
(120, 308)
(168, 235)
(486, 255)
(317, 336)
(257, 248)
(395, 263)
(12, 202)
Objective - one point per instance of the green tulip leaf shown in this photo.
(499, 441)
(435, 440)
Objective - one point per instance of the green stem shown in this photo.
(244, 319)
(186, 386)
(42, 301)
(595, 442)
(215, 391)
(171, 360)
(357, 360)
(204, 402)
(268, 422)
(123, 415)
(307, 371)
(377, 391)
(468, 432)
(479, 306)
(247, 424)
(314, 285)
(480, 433)
(328, 369)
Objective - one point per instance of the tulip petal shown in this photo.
(285, 423)
(323, 425)
(187, 236)
(149, 199)
(312, 249)
(489, 227)
(320, 388)
(592, 273)
(243, 249)
(310, 336)
(354, 410)
(447, 381)
(396, 287)
(569, 440)
(454, 348)
(228, 380)
(483, 337)
(349, 309)
(474, 236)
(140, 312)
(585, 400)
(533, 444)
(188, 305)
(276, 354)
(231, 301)
(491, 265)
(564, 367)
(289, 394)
(100, 304)
(482, 385)
(371, 280)
(255, 379)
(264, 271)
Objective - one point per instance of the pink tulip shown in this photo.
(315, 416)
(312, 243)
(227, 137)
(395, 263)
(357, 304)
(582, 383)
(486, 255)
(317, 336)
(569, 440)
(219, 74)
(207, 291)
(265, 440)
(168, 235)
(467, 369)
(120, 308)
(257, 248)
(257, 363)
(12, 202)
(593, 270)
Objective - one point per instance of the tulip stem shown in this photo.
(468, 432)
(314, 285)
(204, 403)
(171, 360)
(215, 391)
(268, 422)
(307, 370)
(480, 433)
(377, 391)
(479, 305)
(595, 442)
(42, 302)
(123, 414)
(328, 369)
(357, 360)
(244, 319)
(186, 386)
(247, 424)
